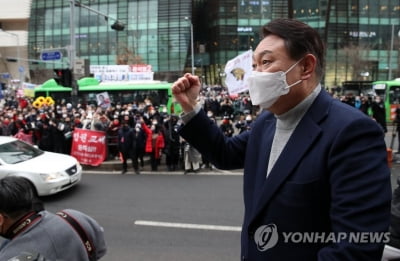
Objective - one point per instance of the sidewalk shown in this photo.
(115, 167)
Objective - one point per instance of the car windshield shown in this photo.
(18, 151)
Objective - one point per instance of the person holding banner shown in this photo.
(313, 166)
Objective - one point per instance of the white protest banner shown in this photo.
(237, 70)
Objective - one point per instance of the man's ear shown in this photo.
(308, 65)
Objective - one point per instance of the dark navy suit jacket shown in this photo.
(331, 179)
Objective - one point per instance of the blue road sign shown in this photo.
(50, 55)
(5, 75)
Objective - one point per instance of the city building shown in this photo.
(112, 32)
(14, 18)
(362, 36)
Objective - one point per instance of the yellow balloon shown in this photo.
(36, 104)
(49, 100)
(40, 99)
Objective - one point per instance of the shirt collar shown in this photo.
(291, 118)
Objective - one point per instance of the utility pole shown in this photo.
(72, 47)
(290, 8)
(390, 54)
(72, 52)
(191, 42)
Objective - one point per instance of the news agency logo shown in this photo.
(267, 236)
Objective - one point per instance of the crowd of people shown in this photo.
(372, 106)
(139, 129)
(133, 131)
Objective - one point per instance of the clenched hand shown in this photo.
(186, 90)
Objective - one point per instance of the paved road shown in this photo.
(144, 215)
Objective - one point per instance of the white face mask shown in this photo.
(265, 88)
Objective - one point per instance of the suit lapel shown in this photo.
(301, 140)
(263, 156)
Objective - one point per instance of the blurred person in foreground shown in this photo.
(27, 227)
(315, 169)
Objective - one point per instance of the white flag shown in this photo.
(237, 70)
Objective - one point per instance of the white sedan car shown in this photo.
(48, 172)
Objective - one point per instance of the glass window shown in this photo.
(394, 95)
(18, 151)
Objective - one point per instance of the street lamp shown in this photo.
(18, 52)
(390, 52)
(117, 26)
(191, 42)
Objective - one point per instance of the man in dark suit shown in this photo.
(316, 179)
(126, 146)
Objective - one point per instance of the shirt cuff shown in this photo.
(186, 117)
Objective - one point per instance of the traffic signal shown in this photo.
(63, 77)
(117, 26)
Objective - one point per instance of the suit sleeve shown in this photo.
(208, 139)
(360, 193)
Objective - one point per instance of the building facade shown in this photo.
(14, 20)
(154, 33)
(362, 36)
